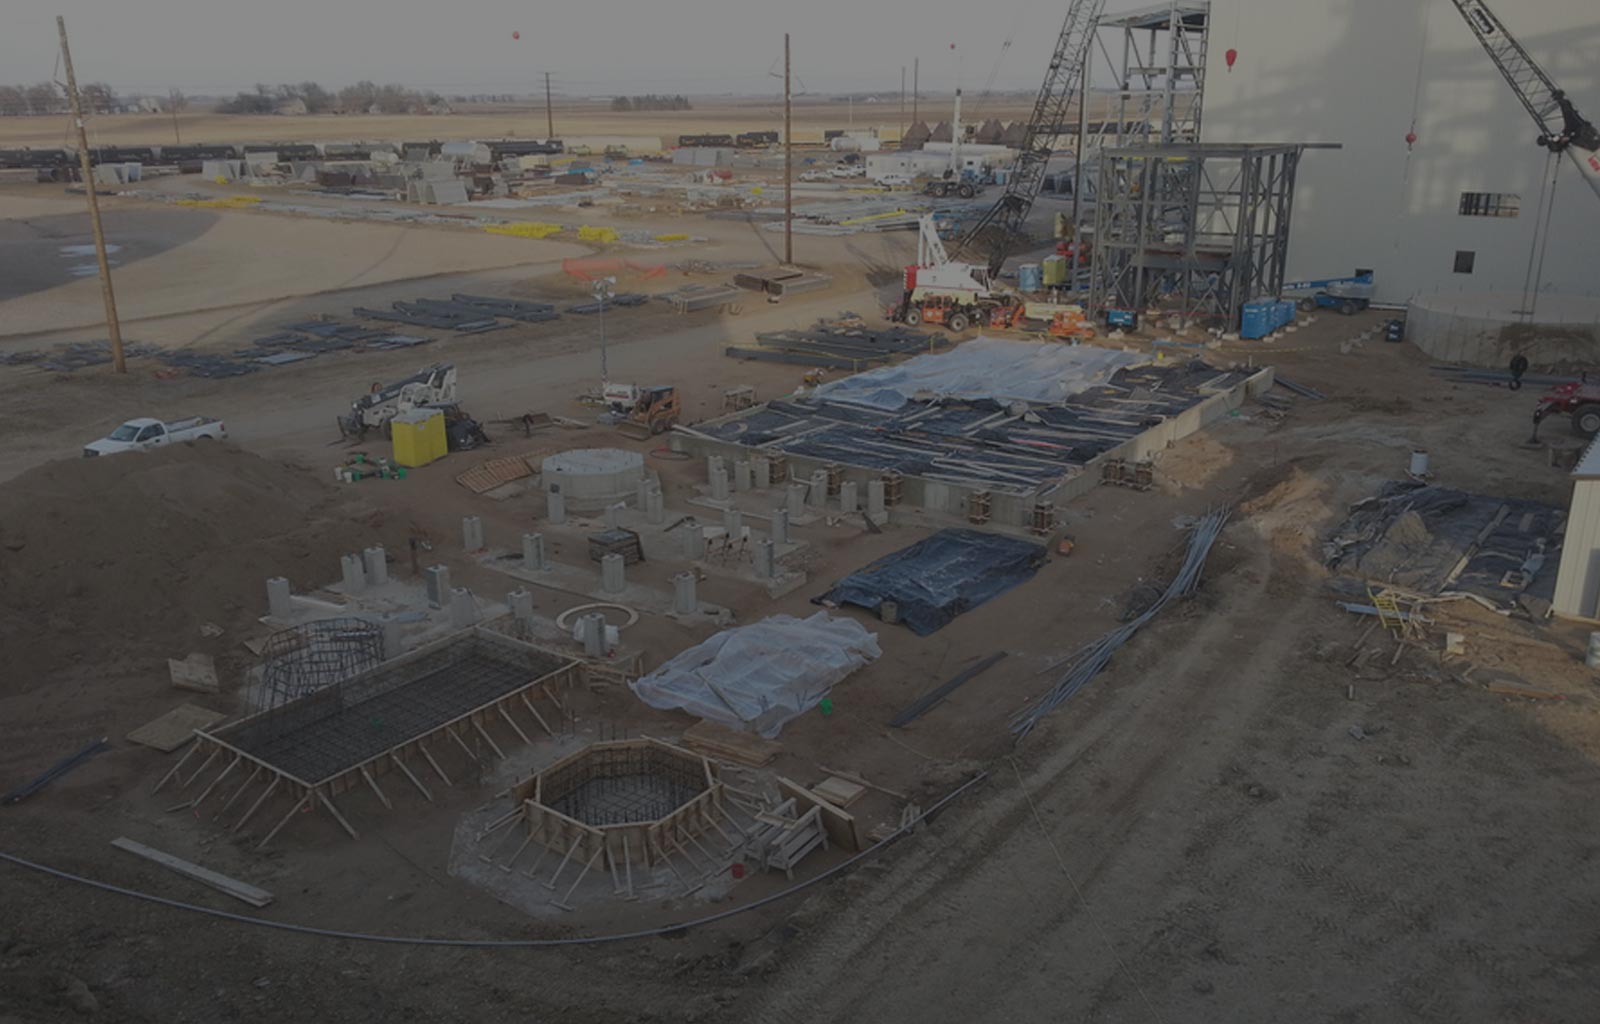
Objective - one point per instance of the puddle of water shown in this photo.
(79, 251)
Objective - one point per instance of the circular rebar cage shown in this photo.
(304, 659)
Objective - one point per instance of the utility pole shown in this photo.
(902, 102)
(916, 67)
(172, 104)
(113, 328)
(549, 112)
(788, 159)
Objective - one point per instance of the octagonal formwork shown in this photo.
(636, 801)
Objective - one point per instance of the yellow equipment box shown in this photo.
(418, 437)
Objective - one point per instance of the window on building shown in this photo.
(1490, 204)
(1464, 260)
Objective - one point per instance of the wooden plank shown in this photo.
(840, 825)
(197, 672)
(839, 792)
(222, 883)
(744, 748)
(175, 728)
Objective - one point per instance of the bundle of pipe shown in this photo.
(1094, 656)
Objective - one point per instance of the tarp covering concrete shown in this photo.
(938, 578)
(757, 677)
(1008, 371)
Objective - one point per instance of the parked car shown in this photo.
(815, 176)
(896, 180)
(144, 433)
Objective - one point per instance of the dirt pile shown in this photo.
(122, 559)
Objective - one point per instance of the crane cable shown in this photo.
(1416, 105)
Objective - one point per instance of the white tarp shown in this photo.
(1009, 371)
(757, 677)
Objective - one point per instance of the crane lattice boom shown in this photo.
(1005, 218)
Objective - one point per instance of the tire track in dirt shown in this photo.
(974, 920)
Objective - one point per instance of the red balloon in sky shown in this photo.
(1231, 56)
(516, 35)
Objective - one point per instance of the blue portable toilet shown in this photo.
(1286, 311)
(1030, 277)
(1255, 320)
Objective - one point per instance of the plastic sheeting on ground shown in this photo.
(1434, 540)
(938, 578)
(757, 677)
(1008, 371)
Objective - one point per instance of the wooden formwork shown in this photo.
(644, 842)
(467, 730)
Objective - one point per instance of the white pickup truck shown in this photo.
(140, 434)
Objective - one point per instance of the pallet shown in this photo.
(731, 745)
(486, 476)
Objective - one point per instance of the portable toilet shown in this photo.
(1286, 311)
(1030, 278)
(418, 437)
(1255, 320)
(1054, 271)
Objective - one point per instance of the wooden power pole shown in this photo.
(916, 67)
(549, 112)
(902, 102)
(788, 159)
(172, 105)
(114, 329)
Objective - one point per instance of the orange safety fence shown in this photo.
(594, 269)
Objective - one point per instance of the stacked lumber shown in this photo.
(717, 740)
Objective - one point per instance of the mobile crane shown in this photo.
(1003, 223)
(1562, 129)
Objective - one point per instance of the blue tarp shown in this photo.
(936, 579)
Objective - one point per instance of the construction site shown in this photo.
(1120, 547)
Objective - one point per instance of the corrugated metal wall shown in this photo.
(1578, 581)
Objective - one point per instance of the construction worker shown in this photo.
(1519, 366)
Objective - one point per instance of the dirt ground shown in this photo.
(1199, 835)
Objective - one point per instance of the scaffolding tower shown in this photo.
(1191, 230)
(1160, 73)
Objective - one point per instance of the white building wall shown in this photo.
(1346, 71)
(1578, 579)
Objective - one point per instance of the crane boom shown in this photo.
(1005, 218)
(1561, 126)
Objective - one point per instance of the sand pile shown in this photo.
(120, 560)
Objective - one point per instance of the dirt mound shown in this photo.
(124, 558)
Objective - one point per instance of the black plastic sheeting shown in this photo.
(1435, 540)
(936, 579)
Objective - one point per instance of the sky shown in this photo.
(464, 47)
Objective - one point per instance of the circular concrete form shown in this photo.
(563, 620)
(1488, 328)
(592, 478)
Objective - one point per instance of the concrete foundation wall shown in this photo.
(1469, 332)
(1007, 509)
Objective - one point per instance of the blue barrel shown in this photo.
(1255, 320)
(1030, 277)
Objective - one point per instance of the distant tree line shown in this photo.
(49, 98)
(650, 102)
(355, 99)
